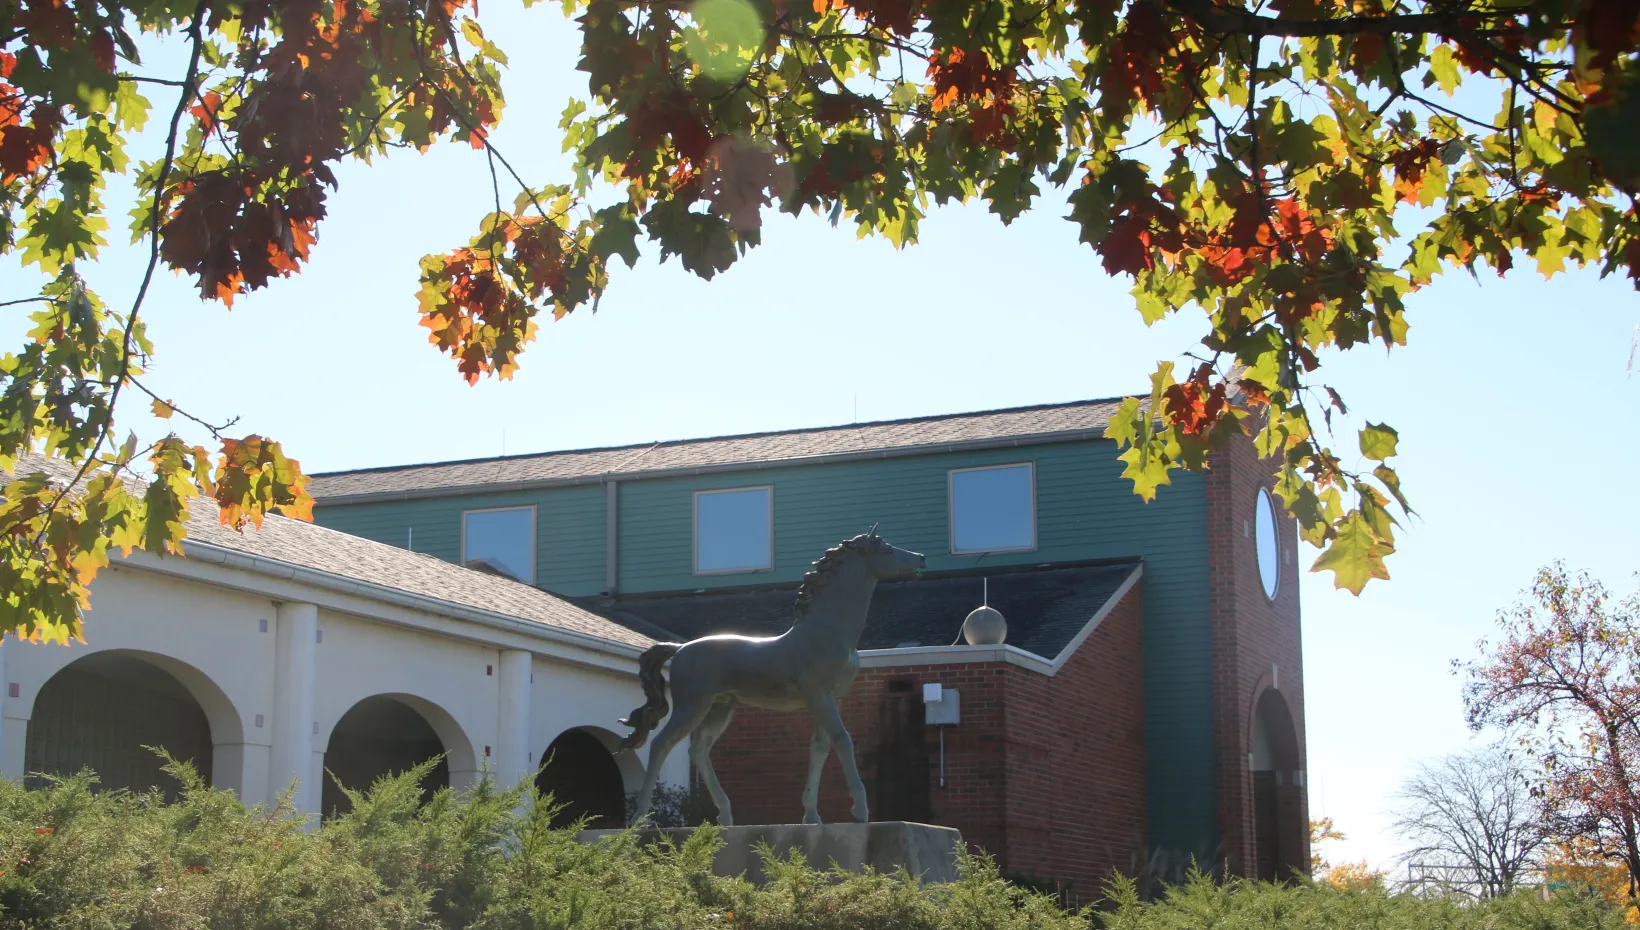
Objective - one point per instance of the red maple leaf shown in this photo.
(1191, 405)
(1126, 247)
(959, 76)
(48, 23)
(205, 109)
(1410, 164)
(1609, 27)
(102, 46)
(25, 149)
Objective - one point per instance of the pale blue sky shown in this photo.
(1520, 429)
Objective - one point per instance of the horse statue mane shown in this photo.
(825, 568)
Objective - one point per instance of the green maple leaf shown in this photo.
(1443, 70)
(1378, 441)
(1147, 467)
(1356, 555)
(617, 235)
(164, 510)
(1391, 481)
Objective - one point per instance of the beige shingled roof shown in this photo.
(1055, 421)
(309, 546)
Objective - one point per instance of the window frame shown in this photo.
(951, 508)
(1262, 498)
(534, 530)
(694, 531)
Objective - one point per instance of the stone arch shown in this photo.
(388, 733)
(99, 710)
(582, 770)
(1280, 834)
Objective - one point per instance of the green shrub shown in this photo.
(89, 861)
(72, 857)
(1201, 903)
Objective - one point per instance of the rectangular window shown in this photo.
(993, 509)
(734, 530)
(500, 540)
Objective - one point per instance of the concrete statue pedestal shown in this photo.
(925, 851)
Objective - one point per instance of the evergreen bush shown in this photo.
(74, 858)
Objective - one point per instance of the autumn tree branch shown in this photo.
(189, 92)
(1235, 21)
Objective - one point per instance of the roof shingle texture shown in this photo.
(720, 451)
(1045, 608)
(307, 545)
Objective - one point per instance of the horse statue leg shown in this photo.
(685, 718)
(823, 704)
(700, 752)
(819, 748)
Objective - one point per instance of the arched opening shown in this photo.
(379, 736)
(583, 777)
(1279, 829)
(102, 711)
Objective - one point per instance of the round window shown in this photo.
(1269, 547)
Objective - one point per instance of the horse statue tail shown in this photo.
(646, 717)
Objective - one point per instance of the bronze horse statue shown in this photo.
(811, 665)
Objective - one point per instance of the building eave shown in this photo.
(904, 656)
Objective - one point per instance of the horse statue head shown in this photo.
(886, 562)
(881, 561)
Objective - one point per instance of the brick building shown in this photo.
(1146, 706)
(1045, 766)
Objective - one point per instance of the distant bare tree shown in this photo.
(1474, 821)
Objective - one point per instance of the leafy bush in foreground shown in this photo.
(74, 858)
(1241, 905)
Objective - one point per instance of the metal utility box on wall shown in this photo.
(942, 706)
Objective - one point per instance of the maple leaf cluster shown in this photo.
(1243, 160)
(275, 95)
(479, 301)
(290, 113)
(1247, 160)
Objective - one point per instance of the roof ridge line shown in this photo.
(644, 447)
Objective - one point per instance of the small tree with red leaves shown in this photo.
(1565, 677)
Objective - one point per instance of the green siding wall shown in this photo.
(1085, 510)
(569, 530)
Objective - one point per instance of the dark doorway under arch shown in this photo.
(583, 777)
(379, 736)
(100, 712)
(1279, 829)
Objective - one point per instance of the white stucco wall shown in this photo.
(215, 629)
(443, 679)
(567, 697)
(207, 638)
